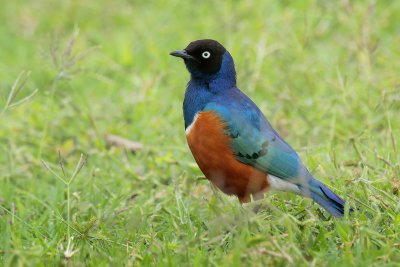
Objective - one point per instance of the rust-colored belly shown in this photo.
(212, 151)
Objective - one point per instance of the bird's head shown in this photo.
(207, 59)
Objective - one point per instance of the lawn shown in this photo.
(325, 73)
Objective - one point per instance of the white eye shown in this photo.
(206, 54)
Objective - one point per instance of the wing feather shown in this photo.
(254, 141)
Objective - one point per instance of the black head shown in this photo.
(205, 54)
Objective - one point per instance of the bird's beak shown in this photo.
(182, 54)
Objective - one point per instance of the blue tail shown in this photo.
(327, 199)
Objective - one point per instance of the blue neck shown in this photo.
(202, 87)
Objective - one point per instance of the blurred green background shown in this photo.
(325, 73)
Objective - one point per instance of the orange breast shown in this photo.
(212, 151)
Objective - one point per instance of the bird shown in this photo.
(233, 143)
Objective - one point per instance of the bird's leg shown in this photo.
(247, 199)
(257, 196)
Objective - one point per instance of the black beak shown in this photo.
(182, 54)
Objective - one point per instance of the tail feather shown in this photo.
(327, 199)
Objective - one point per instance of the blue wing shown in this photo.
(254, 141)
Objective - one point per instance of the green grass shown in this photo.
(326, 74)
